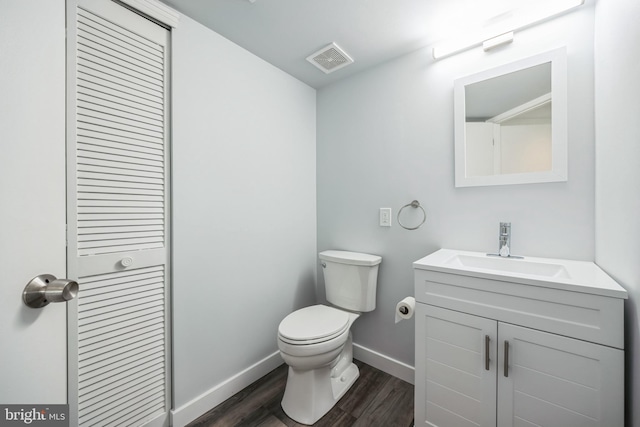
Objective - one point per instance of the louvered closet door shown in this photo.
(118, 216)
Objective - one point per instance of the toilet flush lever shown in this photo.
(323, 264)
(45, 288)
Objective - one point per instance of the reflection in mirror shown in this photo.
(509, 131)
(511, 123)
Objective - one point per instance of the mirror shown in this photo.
(511, 123)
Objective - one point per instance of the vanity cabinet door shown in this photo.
(455, 368)
(551, 380)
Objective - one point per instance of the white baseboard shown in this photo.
(221, 392)
(384, 363)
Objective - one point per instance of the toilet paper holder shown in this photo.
(405, 309)
(46, 288)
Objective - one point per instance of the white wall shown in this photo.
(617, 83)
(244, 208)
(385, 137)
(32, 188)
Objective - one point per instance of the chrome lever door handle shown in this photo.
(45, 288)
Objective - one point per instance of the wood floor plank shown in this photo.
(392, 406)
(336, 417)
(271, 422)
(377, 399)
(261, 417)
(360, 395)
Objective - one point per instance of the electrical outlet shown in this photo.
(385, 217)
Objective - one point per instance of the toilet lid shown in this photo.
(313, 323)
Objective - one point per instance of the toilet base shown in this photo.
(343, 383)
(309, 395)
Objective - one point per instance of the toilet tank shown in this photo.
(351, 279)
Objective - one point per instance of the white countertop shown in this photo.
(569, 275)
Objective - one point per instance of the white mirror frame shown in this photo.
(559, 145)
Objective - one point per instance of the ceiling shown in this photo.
(285, 32)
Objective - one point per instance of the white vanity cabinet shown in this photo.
(497, 347)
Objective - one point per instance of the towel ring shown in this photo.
(414, 204)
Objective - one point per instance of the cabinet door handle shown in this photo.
(487, 347)
(506, 358)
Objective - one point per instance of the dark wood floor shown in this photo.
(376, 399)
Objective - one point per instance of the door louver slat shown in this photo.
(118, 171)
(124, 332)
(99, 370)
(88, 79)
(135, 168)
(109, 319)
(105, 101)
(95, 154)
(118, 196)
(111, 351)
(112, 115)
(107, 60)
(124, 146)
(101, 381)
(113, 33)
(90, 88)
(131, 405)
(118, 83)
(92, 103)
(106, 63)
(120, 393)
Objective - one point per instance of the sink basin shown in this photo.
(508, 265)
(577, 276)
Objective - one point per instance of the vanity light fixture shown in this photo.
(497, 41)
(503, 31)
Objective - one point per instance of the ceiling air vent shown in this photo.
(330, 58)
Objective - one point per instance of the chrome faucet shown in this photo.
(505, 240)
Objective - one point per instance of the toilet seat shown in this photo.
(313, 324)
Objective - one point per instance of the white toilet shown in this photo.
(316, 342)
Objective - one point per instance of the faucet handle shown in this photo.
(505, 228)
(504, 242)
